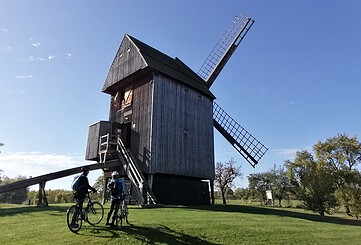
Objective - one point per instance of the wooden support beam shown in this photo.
(43, 202)
(211, 183)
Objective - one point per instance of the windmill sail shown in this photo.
(247, 145)
(224, 49)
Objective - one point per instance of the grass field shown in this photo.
(218, 224)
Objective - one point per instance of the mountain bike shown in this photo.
(122, 213)
(93, 213)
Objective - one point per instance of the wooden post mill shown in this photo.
(161, 120)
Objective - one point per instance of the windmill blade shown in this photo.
(247, 145)
(224, 49)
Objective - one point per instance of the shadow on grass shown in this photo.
(21, 209)
(98, 231)
(276, 211)
(159, 234)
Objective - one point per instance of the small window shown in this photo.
(117, 101)
(128, 97)
(123, 99)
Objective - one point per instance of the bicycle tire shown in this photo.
(94, 213)
(73, 218)
(118, 219)
(125, 212)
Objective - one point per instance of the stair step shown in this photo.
(129, 165)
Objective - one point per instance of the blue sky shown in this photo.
(294, 80)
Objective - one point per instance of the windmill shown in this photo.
(247, 145)
(159, 135)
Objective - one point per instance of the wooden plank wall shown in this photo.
(96, 130)
(127, 61)
(141, 120)
(182, 130)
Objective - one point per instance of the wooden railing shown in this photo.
(109, 144)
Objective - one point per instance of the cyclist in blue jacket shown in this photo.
(117, 191)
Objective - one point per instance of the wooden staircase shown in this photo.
(111, 146)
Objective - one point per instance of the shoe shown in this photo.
(108, 223)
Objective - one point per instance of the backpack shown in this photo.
(75, 183)
(116, 188)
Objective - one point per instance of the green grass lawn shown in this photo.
(234, 223)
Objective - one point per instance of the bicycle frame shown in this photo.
(122, 212)
(94, 208)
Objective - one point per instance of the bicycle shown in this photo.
(122, 213)
(93, 213)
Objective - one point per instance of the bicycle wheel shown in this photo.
(125, 211)
(94, 213)
(118, 219)
(73, 218)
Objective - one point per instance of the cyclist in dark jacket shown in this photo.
(83, 188)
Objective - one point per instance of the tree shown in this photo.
(224, 175)
(1, 176)
(17, 196)
(281, 186)
(99, 184)
(243, 193)
(349, 193)
(275, 179)
(342, 154)
(261, 182)
(313, 182)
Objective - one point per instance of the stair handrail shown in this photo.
(132, 166)
(129, 165)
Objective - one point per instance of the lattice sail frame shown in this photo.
(224, 49)
(247, 145)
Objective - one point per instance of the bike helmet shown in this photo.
(115, 174)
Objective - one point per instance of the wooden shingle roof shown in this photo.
(150, 58)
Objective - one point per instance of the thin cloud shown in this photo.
(68, 56)
(50, 57)
(290, 153)
(37, 44)
(5, 30)
(37, 163)
(5, 48)
(16, 92)
(32, 58)
(23, 77)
